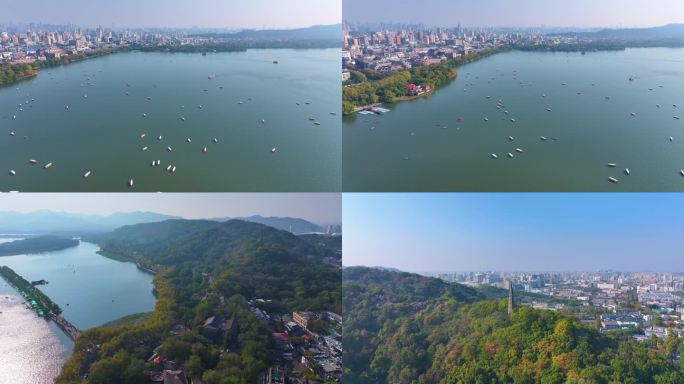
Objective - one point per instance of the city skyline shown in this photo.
(257, 14)
(501, 13)
(321, 208)
(513, 232)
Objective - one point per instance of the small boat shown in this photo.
(626, 171)
(86, 175)
(675, 117)
(486, 119)
(154, 162)
(204, 149)
(48, 165)
(12, 134)
(612, 165)
(211, 77)
(519, 150)
(543, 138)
(657, 105)
(14, 116)
(317, 123)
(11, 172)
(632, 113)
(173, 170)
(312, 119)
(168, 169)
(144, 114)
(681, 172)
(274, 149)
(199, 106)
(144, 149)
(143, 136)
(169, 149)
(159, 138)
(510, 155)
(130, 183)
(182, 118)
(188, 140)
(215, 140)
(32, 161)
(494, 156)
(263, 121)
(548, 109)
(512, 120)
(158, 162)
(510, 138)
(613, 180)
(275, 61)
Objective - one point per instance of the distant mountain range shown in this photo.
(41, 222)
(316, 32)
(666, 32)
(290, 224)
(61, 223)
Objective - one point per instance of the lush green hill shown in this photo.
(406, 329)
(206, 268)
(36, 244)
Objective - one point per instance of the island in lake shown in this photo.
(36, 244)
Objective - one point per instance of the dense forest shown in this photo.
(368, 87)
(404, 328)
(205, 268)
(36, 244)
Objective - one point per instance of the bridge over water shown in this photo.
(69, 329)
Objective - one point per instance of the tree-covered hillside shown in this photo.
(205, 269)
(404, 328)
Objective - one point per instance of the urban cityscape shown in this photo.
(648, 304)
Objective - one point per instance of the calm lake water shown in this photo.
(90, 289)
(107, 97)
(442, 142)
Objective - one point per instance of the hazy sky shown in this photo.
(515, 232)
(322, 208)
(176, 13)
(517, 13)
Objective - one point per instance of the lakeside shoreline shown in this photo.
(71, 59)
(544, 49)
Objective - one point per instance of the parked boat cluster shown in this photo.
(147, 145)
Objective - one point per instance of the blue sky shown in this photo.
(517, 13)
(322, 208)
(176, 13)
(513, 232)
